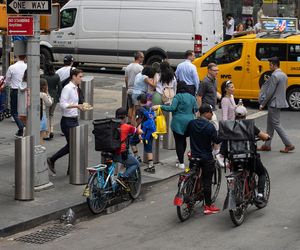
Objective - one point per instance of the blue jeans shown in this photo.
(14, 108)
(131, 164)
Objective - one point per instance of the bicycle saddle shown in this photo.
(195, 160)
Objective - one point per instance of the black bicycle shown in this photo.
(190, 188)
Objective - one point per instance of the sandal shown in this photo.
(150, 170)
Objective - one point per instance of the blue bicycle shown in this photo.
(103, 185)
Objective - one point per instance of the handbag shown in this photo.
(161, 124)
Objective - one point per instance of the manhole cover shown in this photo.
(45, 235)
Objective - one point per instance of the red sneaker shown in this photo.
(214, 209)
(206, 210)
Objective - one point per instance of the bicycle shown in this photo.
(242, 188)
(190, 188)
(103, 186)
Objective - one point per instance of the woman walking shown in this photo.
(183, 108)
(54, 87)
(227, 102)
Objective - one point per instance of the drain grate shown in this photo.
(45, 235)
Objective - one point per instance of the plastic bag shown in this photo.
(161, 125)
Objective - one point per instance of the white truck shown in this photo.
(110, 31)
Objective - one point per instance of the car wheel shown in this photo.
(154, 59)
(293, 99)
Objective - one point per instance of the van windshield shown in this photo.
(67, 18)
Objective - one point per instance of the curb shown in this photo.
(81, 210)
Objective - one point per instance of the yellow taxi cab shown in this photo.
(244, 60)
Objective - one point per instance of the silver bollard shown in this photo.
(124, 97)
(24, 169)
(78, 154)
(169, 141)
(87, 88)
(155, 152)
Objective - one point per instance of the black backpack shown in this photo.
(107, 134)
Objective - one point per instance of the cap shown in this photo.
(121, 113)
(240, 111)
(205, 108)
(68, 59)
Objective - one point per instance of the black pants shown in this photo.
(261, 173)
(208, 169)
(65, 124)
(180, 144)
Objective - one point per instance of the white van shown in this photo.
(110, 31)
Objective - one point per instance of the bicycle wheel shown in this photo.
(238, 215)
(7, 113)
(97, 199)
(186, 191)
(266, 192)
(216, 183)
(135, 184)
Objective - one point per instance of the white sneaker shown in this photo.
(181, 166)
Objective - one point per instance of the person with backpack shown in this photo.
(122, 155)
(183, 108)
(145, 120)
(64, 72)
(166, 86)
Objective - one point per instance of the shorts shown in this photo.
(134, 140)
(134, 99)
(129, 101)
(43, 124)
(148, 145)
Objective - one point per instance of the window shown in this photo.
(294, 52)
(264, 51)
(67, 18)
(226, 54)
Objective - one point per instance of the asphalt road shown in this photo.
(152, 223)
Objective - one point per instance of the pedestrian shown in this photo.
(64, 72)
(141, 83)
(69, 105)
(227, 102)
(186, 72)
(183, 108)
(275, 100)
(14, 77)
(166, 85)
(145, 120)
(249, 24)
(207, 93)
(54, 87)
(240, 27)
(23, 94)
(130, 73)
(45, 101)
(229, 26)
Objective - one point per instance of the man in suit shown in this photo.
(276, 100)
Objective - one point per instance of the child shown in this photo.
(45, 100)
(145, 118)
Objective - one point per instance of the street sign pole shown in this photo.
(33, 121)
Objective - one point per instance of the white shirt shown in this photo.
(63, 72)
(230, 30)
(15, 73)
(131, 71)
(69, 96)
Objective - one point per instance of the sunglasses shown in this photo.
(227, 83)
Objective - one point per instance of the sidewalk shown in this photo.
(51, 204)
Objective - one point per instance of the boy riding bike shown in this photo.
(202, 136)
(122, 155)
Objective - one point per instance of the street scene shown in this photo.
(149, 124)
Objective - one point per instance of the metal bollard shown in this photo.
(155, 152)
(41, 176)
(87, 88)
(24, 168)
(124, 97)
(78, 154)
(169, 141)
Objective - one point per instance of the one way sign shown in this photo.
(29, 7)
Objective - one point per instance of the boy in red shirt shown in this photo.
(122, 155)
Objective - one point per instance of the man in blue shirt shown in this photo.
(202, 148)
(186, 72)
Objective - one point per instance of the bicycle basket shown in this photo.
(107, 134)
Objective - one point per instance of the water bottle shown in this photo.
(240, 102)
